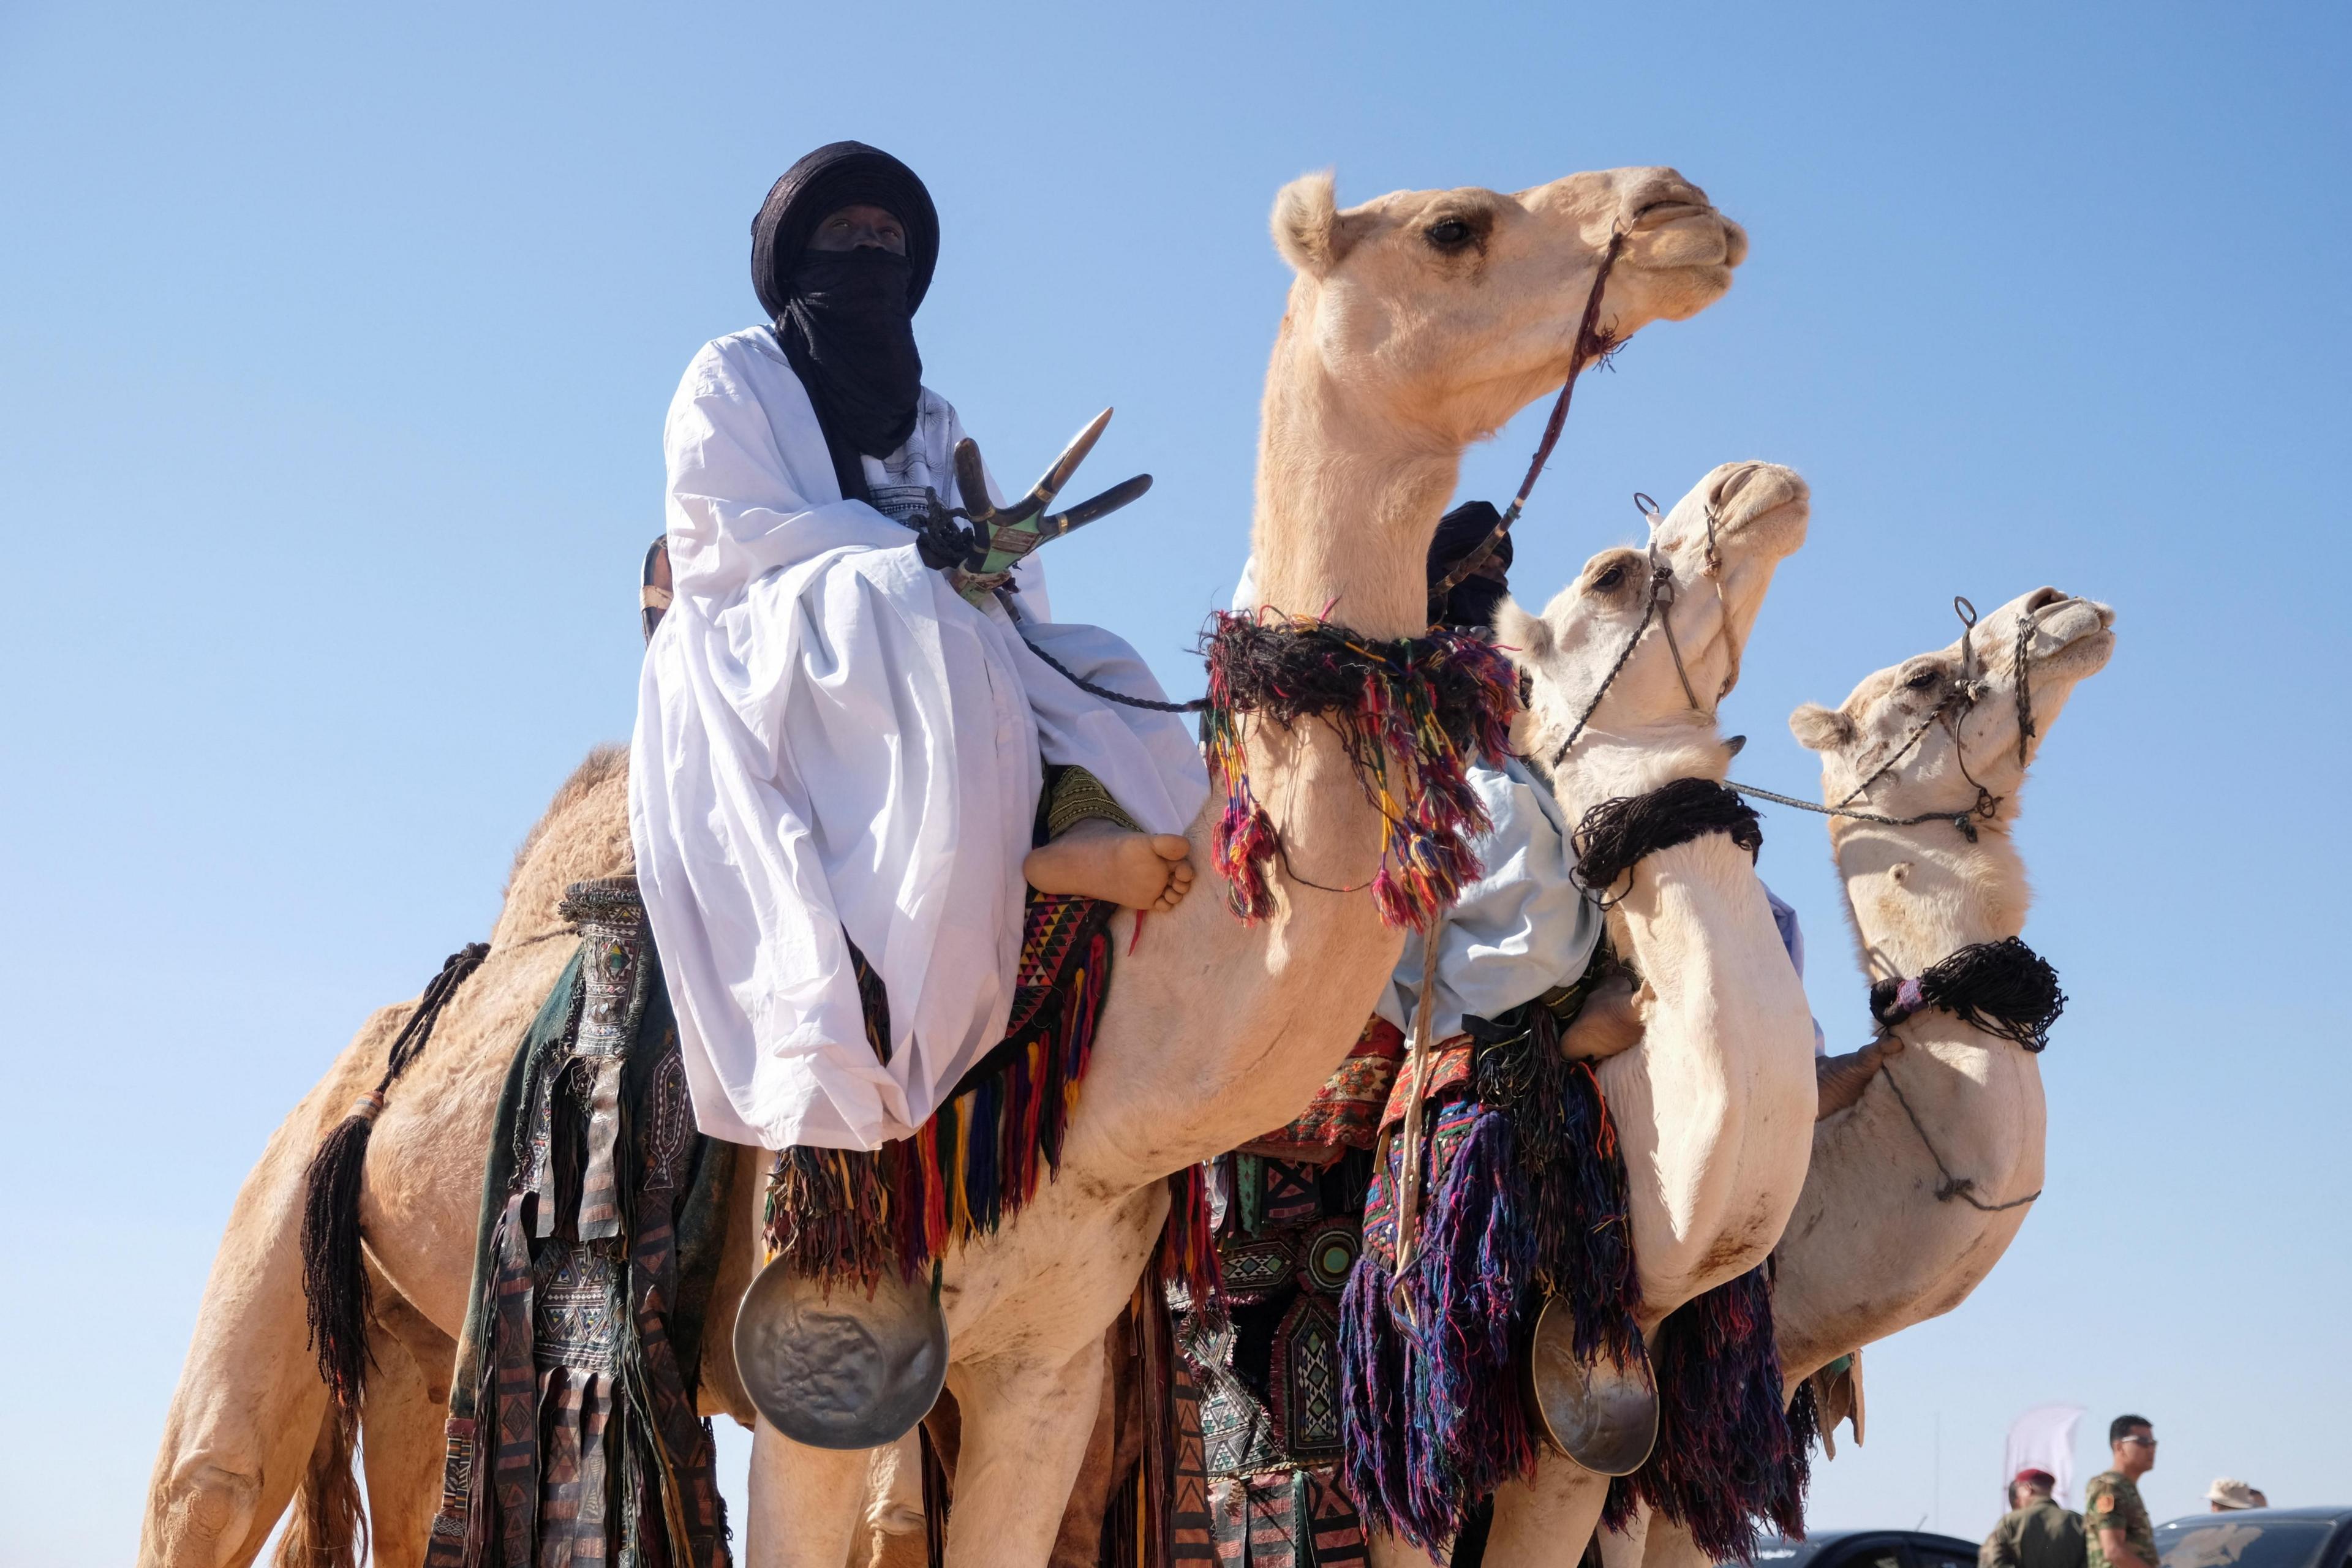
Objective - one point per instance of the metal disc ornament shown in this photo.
(1603, 1415)
(839, 1368)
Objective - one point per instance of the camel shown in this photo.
(1873, 1246)
(1415, 325)
(1714, 1106)
(1761, 517)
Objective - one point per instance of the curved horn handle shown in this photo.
(1068, 463)
(971, 484)
(1087, 512)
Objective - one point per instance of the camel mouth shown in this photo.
(1760, 506)
(2072, 637)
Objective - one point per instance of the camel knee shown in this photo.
(204, 1512)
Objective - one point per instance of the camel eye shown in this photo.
(1921, 681)
(1608, 580)
(1447, 234)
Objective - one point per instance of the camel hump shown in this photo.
(583, 836)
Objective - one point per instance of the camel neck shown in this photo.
(1917, 894)
(1348, 500)
(1613, 765)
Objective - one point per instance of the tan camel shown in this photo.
(1872, 1249)
(1721, 1182)
(1416, 324)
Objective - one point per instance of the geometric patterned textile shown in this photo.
(573, 1435)
(1267, 1370)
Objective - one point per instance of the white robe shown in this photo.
(829, 737)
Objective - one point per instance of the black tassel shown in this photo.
(334, 1278)
(334, 1281)
(2003, 987)
(1618, 833)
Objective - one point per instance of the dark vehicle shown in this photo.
(2258, 1538)
(1873, 1549)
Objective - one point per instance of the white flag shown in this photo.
(2043, 1439)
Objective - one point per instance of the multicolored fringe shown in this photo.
(1186, 1263)
(1426, 1438)
(1731, 1458)
(850, 1215)
(1529, 1203)
(1411, 713)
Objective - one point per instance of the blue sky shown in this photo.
(333, 349)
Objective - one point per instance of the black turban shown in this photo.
(846, 319)
(1472, 601)
(844, 173)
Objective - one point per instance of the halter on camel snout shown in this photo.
(1662, 598)
(1971, 689)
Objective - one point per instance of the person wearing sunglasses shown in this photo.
(2120, 1535)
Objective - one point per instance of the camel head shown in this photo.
(2066, 640)
(1451, 310)
(1647, 728)
(1423, 321)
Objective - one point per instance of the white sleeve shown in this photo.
(732, 511)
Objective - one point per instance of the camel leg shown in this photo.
(1547, 1519)
(894, 1508)
(1026, 1432)
(806, 1504)
(249, 1409)
(1386, 1550)
(402, 1423)
(1669, 1545)
(1078, 1542)
(1625, 1548)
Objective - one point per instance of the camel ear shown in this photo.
(1527, 636)
(1308, 229)
(1820, 729)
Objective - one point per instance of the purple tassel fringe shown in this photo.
(1731, 1458)
(1426, 1438)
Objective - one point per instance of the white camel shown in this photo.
(1416, 324)
(1882, 1237)
(1714, 1106)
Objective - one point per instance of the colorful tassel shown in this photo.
(842, 1213)
(1412, 713)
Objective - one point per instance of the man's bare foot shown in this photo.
(1098, 859)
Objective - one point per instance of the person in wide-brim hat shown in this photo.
(2227, 1495)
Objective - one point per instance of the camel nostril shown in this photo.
(1733, 482)
(1658, 214)
(2042, 599)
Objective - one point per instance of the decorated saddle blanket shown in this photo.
(855, 1213)
(1347, 1111)
(1527, 1202)
(572, 1431)
(852, 1214)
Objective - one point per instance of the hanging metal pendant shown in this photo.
(834, 1367)
(1603, 1415)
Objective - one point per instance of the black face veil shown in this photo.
(846, 319)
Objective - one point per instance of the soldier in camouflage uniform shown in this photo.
(2115, 1519)
(2038, 1533)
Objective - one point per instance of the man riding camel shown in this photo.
(839, 758)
